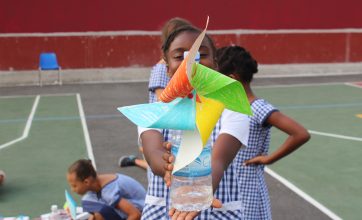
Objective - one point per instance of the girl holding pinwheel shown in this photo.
(237, 63)
(228, 135)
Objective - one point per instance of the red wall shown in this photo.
(20, 50)
(24, 16)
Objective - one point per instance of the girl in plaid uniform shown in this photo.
(159, 77)
(227, 134)
(236, 62)
(157, 82)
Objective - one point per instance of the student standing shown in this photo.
(157, 82)
(231, 132)
(237, 63)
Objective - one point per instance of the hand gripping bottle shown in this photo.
(191, 187)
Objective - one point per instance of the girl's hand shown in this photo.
(262, 159)
(168, 167)
(179, 215)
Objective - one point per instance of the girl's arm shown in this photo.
(153, 150)
(223, 153)
(131, 211)
(158, 93)
(297, 136)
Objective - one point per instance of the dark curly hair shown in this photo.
(83, 169)
(235, 59)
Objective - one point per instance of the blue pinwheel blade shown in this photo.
(179, 114)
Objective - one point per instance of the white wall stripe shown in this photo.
(298, 85)
(27, 126)
(85, 131)
(302, 194)
(310, 74)
(157, 33)
(335, 135)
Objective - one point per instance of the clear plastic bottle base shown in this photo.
(196, 196)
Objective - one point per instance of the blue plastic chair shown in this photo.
(48, 61)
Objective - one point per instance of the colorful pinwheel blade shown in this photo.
(208, 112)
(179, 114)
(214, 85)
(189, 149)
(179, 85)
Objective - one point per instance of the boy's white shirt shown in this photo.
(232, 123)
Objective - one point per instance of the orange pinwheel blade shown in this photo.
(179, 85)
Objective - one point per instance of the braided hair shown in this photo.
(235, 59)
(83, 169)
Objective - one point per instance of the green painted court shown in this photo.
(328, 168)
(41, 135)
(36, 165)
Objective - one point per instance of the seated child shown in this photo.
(2, 177)
(106, 196)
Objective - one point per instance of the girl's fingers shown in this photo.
(191, 215)
(167, 145)
(216, 203)
(175, 215)
(182, 215)
(171, 212)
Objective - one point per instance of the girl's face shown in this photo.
(183, 42)
(77, 186)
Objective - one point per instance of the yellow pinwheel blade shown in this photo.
(207, 114)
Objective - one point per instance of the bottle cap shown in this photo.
(54, 208)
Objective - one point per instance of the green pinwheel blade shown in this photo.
(214, 85)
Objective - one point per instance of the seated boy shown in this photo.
(106, 196)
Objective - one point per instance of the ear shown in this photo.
(216, 65)
(87, 181)
(234, 76)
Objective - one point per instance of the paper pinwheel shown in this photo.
(192, 101)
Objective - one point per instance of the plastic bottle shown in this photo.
(54, 214)
(191, 187)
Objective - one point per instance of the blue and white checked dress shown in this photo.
(106, 201)
(254, 191)
(157, 198)
(158, 79)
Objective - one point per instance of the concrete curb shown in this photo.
(138, 74)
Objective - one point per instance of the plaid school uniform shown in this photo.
(157, 202)
(158, 79)
(254, 191)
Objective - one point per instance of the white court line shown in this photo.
(85, 131)
(335, 135)
(45, 95)
(302, 194)
(27, 126)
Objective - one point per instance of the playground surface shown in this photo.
(44, 129)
